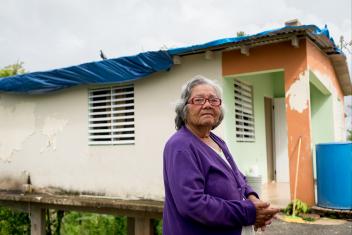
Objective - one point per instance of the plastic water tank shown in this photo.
(334, 175)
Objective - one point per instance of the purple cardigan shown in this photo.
(203, 195)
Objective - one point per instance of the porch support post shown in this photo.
(139, 226)
(297, 98)
(37, 217)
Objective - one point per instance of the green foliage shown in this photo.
(349, 137)
(301, 207)
(309, 219)
(53, 220)
(241, 34)
(11, 70)
(75, 223)
(349, 132)
(89, 223)
(158, 227)
(12, 222)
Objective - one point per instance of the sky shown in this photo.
(49, 34)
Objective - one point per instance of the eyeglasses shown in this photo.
(201, 101)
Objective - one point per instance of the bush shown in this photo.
(89, 223)
(301, 207)
(70, 222)
(12, 222)
(349, 137)
(158, 227)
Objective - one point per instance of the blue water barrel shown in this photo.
(334, 175)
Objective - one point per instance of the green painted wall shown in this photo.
(279, 84)
(249, 154)
(321, 119)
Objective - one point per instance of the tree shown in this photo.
(349, 137)
(14, 222)
(12, 70)
(241, 34)
(345, 46)
(349, 132)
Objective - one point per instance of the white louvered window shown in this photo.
(244, 115)
(111, 115)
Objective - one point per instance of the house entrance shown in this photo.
(268, 106)
(281, 141)
(276, 140)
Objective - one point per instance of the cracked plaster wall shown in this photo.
(12, 137)
(55, 149)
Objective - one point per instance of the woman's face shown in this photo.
(205, 115)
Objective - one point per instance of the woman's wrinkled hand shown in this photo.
(264, 213)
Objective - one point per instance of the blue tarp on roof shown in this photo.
(123, 69)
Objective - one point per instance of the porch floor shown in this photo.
(278, 194)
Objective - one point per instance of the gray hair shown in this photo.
(182, 108)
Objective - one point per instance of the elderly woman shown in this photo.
(205, 193)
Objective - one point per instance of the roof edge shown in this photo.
(343, 75)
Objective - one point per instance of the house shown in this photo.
(96, 131)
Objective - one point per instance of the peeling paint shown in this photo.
(51, 128)
(17, 124)
(298, 93)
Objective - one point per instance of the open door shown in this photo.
(281, 141)
(270, 158)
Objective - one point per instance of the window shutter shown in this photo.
(244, 115)
(111, 115)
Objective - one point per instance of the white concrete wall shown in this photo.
(46, 136)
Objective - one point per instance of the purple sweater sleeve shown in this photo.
(186, 183)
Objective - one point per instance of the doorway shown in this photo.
(281, 141)
(270, 158)
(276, 140)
